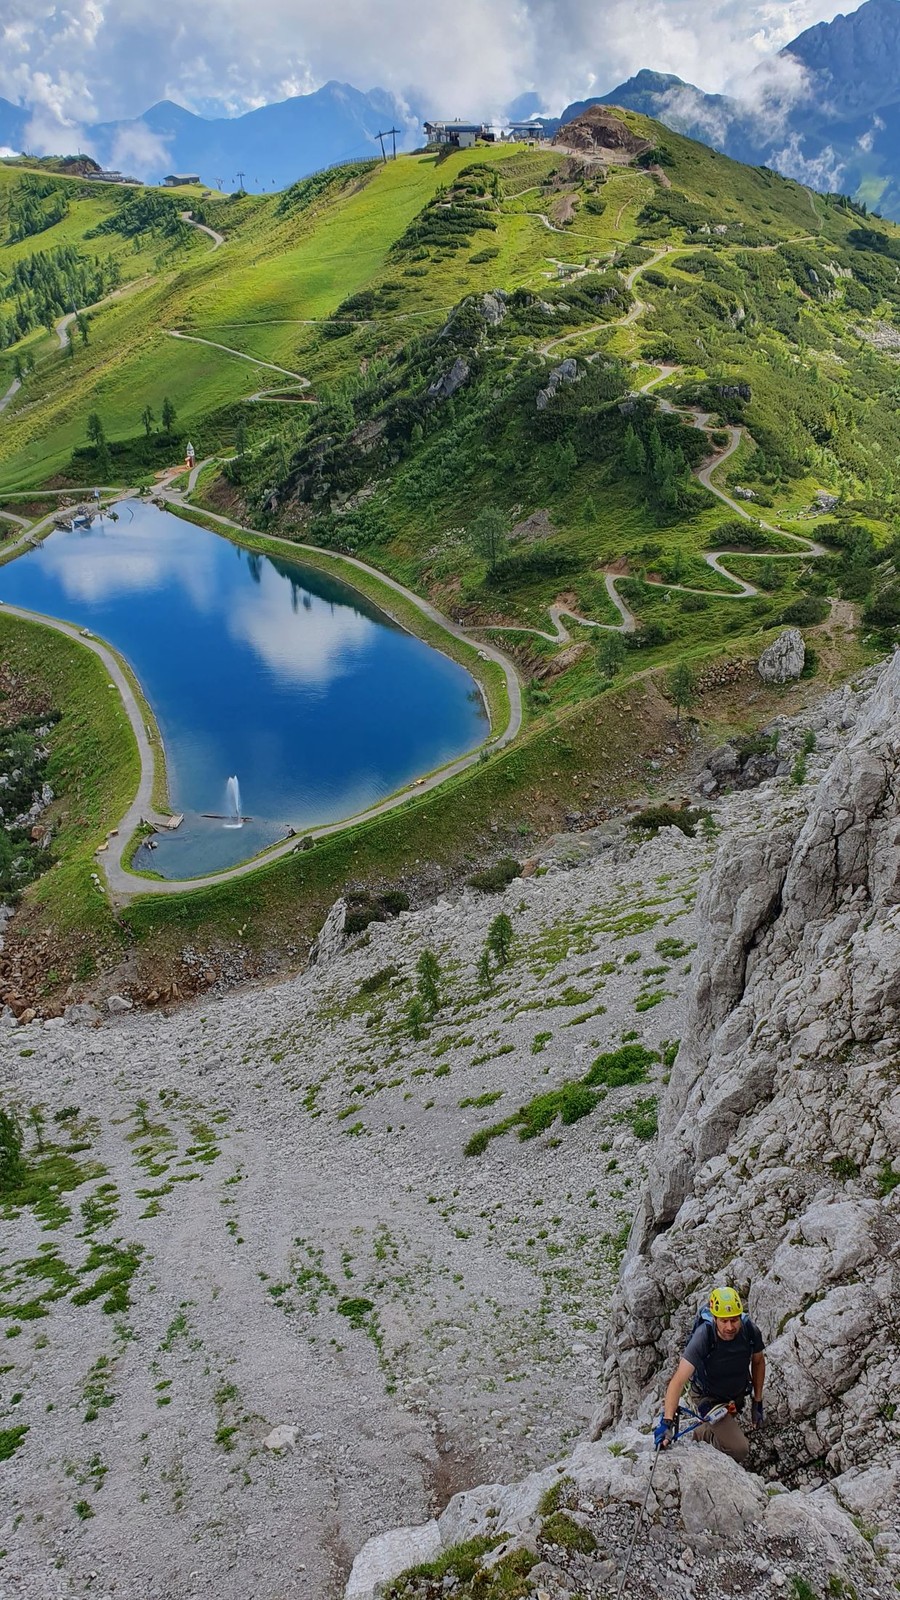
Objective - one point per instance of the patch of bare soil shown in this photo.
(225, 498)
(563, 209)
(596, 131)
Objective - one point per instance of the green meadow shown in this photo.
(745, 301)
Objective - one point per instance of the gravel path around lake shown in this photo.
(316, 1250)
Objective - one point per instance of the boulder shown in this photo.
(493, 307)
(495, 1508)
(783, 659)
(84, 1013)
(716, 1495)
(386, 1555)
(566, 372)
(448, 382)
(283, 1437)
(117, 1003)
(329, 941)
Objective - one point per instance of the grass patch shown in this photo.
(10, 1439)
(617, 1069)
(94, 769)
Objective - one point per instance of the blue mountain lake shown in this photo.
(255, 666)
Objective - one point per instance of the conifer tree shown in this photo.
(500, 939)
(428, 974)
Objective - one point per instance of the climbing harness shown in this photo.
(715, 1414)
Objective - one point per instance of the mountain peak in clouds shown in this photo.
(858, 56)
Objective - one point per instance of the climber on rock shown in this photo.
(723, 1361)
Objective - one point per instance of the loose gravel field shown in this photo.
(258, 1212)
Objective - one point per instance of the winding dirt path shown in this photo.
(124, 885)
(740, 588)
(11, 393)
(63, 325)
(300, 382)
(10, 516)
(218, 239)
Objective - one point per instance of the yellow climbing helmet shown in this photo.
(725, 1303)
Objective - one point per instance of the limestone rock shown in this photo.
(783, 659)
(283, 1437)
(717, 1496)
(566, 372)
(782, 1117)
(329, 941)
(495, 1508)
(84, 1013)
(448, 383)
(493, 307)
(387, 1555)
(117, 1003)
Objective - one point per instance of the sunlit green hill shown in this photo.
(337, 345)
(586, 402)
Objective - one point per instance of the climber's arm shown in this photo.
(682, 1374)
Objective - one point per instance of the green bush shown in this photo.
(562, 1530)
(12, 1167)
(367, 907)
(653, 818)
(806, 612)
(495, 878)
(642, 1117)
(617, 1068)
(377, 980)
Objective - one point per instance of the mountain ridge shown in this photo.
(274, 144)
(838, 128)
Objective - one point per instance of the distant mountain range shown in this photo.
(272, 146)
(826, 111)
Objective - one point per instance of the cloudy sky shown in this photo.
(81, 61)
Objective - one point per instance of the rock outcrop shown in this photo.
(779, 1152)
(597, 131)
(778, 1170)
(329, 941)
(566, 372)
(783, 659)
(447, 384)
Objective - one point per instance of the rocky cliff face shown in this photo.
(779, 1152)
(777, 1169)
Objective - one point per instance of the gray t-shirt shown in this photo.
(722, 1366)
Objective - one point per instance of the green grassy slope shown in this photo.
(752, 309)
(742, 298)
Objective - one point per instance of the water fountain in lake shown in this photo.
(233, 817)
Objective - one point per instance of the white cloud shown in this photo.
(867, 139)
(683, 108)
(309, 644)
(137, 147)
(92, 60)
(824, 170)
(118, 559)
(5, 152)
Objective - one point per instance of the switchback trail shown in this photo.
(11, 393)
(741, 589)
(218, 239)
(300, 382)
(63, 325)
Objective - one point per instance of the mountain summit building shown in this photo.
(461, 134)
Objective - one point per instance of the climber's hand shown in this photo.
(756, 1413)
(663, 1434)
